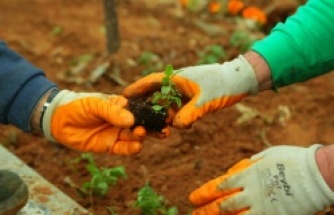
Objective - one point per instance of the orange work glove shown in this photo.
(205, 88)
(282, 180)
(92, 122)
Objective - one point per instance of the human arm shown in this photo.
(279, 180)
(22, 85)
(293, 52)
(92, 122)
(300, 48)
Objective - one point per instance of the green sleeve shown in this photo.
(302, 47)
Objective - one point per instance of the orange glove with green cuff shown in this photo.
(207, 88)
(92, 122)
(280, 180)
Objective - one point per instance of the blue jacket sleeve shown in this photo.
(21, 87)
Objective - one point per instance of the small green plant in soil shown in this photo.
(212, 54)
(168, 95)
(150, 61)
(101, 178)
(242, 40)
(152, 203)
(152, 112)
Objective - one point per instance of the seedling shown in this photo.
(111, 211)
(151, 203)
(101, 178)
(242, 40)
(212, 54)
(150, 61)
(152, 112)
(168, 95)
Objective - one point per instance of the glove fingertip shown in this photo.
(193, 199)
(165, 132)
(182, 122)
(118, 100)
(139, 131)
(162, 134)
(126, 148)
(128, 92)
(125, 119)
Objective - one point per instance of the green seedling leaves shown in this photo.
(157, 108)
(151, 203)
(169, 71)
(150, 61)
(101, 178)
(242, 40)
(178, 101)
(212, 54)
(167, 96)
(166, 89)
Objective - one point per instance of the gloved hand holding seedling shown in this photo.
(204, 88)
(154, 111)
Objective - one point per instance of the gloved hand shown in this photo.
(92, 122)
(282, 180)
(206, 88)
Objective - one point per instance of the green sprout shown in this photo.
(168, 95)
(242, 40)
(101, 178)
(150, 61)
(151, 203)
(212, 54)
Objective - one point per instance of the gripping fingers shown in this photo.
(137, 134)
(144, 86)
(129, 141)
(160, 134)
(213, 189)
(214, 208)
(126, 148)
(111, 110)
(120, 117)
(118, 100)
(184, 118)
(210, 191)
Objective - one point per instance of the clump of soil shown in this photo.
(144, 115)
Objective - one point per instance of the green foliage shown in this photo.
(150, 61)
(111, 211)
(168, 95)
(57, 30)
(196, 5)
(101, 178)
(212, 54)
(82, 59)
(242, 40)
(151, 203)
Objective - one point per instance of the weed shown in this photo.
(101, 178)
(57, 30)
(111, 211)
(150, 61)
(212, 54)
(242, 40)
(168, 95)
(151, 203)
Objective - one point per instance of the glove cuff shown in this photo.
(247, 73)
(47, 116)
(62, 98)
(326, 195)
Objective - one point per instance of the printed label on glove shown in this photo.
(275, 181)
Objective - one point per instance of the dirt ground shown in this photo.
(301, 114)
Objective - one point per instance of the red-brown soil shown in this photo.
(188, 158)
